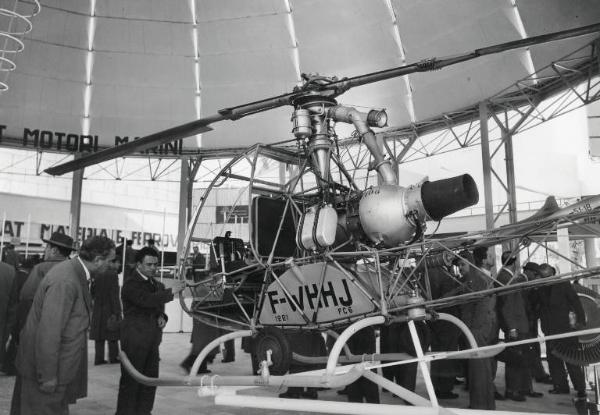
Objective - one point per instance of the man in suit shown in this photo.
(106, 313)
(513, 321)
(52, 355)
(144, 301)
(7, 278)
(556, 302)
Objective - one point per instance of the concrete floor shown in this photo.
(103, 385)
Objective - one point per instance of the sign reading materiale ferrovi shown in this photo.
(71, 142)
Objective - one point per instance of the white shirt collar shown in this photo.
(87, 271)
(143, 276)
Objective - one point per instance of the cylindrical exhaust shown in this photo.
(444, 197)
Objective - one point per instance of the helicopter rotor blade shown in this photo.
(334, 88)
(433, 64)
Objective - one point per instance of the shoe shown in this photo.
(558, 391)
(100, 362)
(290, 395)
(498, 396)
(203, 371)
(515, 396)
(447, 395)
(117, 360)
(533, 394)
(310, 394)
(227, 360)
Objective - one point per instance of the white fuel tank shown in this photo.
(317, 228)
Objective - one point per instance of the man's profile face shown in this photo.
(48, 252)
(103, 264)
(148, 266)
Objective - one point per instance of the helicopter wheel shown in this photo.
(271, 338)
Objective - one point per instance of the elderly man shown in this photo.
(556, 302)
(144, 301)
(52, 356)
(58, 248)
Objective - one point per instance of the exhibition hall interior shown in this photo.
(299, 206)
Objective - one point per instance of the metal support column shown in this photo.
(487, 165)
(511, 194)
(75, 216)
(184, 190)
(194, 166)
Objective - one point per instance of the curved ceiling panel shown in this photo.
(152, 68)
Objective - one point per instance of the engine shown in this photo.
(385, 215)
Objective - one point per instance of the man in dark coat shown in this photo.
(513, 321)
(106, 313)
(557, 301)
(479, 316)
(7, 278)
(444, 335)
(52, 355)
(11, 349)
(144, 300)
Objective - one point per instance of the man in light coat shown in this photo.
(58, 248)
(52, 356)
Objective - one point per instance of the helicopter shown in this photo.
(329, 249)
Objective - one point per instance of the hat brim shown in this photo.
(51, 242)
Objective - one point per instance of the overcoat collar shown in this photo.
(81, 275)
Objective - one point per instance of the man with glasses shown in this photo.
(144, 301)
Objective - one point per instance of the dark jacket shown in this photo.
(143, 302)
(105, 293)
(511, 307)
(556, 303)
(7, 278)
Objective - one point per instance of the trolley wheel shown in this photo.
(272, 338)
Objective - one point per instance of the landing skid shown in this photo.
(334, 376)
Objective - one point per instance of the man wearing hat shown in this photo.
(10, 255)
(58, 248)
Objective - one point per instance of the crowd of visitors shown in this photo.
(47, 309)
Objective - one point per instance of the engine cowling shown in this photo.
(389, 214)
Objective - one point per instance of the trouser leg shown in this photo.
(15, 403)
(516, 378)
(113, 350)
(481, 386)
(577, 377)
(557, 369)
(146, 394)
(229, 355)
(406, 376)
(99, 347)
